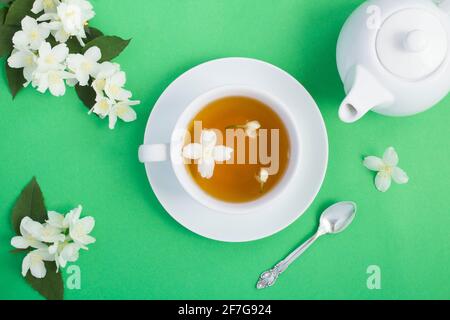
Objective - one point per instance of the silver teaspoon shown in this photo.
(335, 219)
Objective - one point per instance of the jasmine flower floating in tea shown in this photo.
(207, 153)
(262, 177)
(251, 128)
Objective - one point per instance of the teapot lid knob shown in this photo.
(412, 44)
(416, 41)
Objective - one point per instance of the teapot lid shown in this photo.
(412, 44)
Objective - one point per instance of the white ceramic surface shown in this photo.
(304, 183)
(160, 152)
(393, 57)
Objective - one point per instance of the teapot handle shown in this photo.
(445, 6)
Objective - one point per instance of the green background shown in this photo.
(141, 252)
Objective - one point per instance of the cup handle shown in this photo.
(153, 153)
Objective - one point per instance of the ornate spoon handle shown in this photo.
(268, 278)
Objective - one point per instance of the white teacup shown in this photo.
(173, 152)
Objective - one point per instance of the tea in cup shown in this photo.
(233, 149)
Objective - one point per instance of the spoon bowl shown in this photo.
(338, 217)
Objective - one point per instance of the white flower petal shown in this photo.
(112, 120)
(47, 17)
(20, 243)
(23, 227)
(72, 216)
(45, 49)
(20, 40)
(208, 138)
(119, 79)
(253, 125)
(88, 224)
(17, 59)
(74, 61)
(61, 262)
(124, 95)
(38, 6)
(57, 88)
(75, 255)
(71, 17)
(251, 129)
(86, 240)
(373, 163)
(55, 219)
(99, 86)
(390, 157)
(117, 93)
(263, 175)
(45, 255)
(41, 80)
(125, 112)
(83, 79)
(93, 54)
(38, 269)
(83, 65)
(70, 252)
(76, 213)
(193, 151)
(37, 244)
(107, 70)
(28, 24)
(383, 181)
(61, 51)
(71, 82)
(206, 167)
(34, 228)
(28, 74)
(222, 153)
(132, 102)
(44, 5)
(399, 176)
(44, 32)
(53, 249)
(51, 234)
(26, 264)
(61, 36)
(102, 107)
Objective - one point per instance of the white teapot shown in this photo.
(393, 57)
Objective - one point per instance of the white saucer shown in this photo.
(304, 187)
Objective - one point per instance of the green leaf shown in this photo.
(18, 10)
(86, 94)
(6, 2)
(3, 12)
(19, 251)
(110, 46)
(92, 33)
(74, 45)
(52, 41)
(15, 78)
(30, 203)
(52, 286)
(6, 34)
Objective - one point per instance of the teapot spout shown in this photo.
(365, 93)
